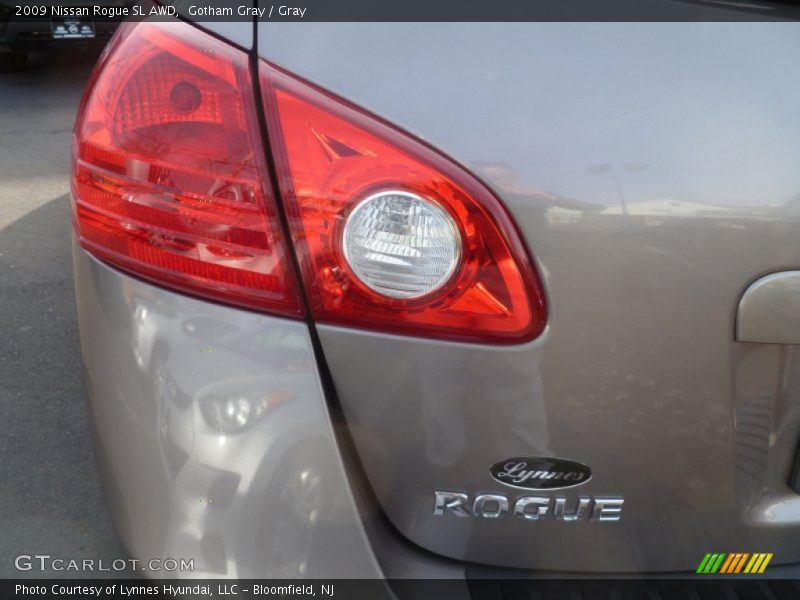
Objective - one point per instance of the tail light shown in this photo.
(170, 183)
(169, 178)
(391, 235)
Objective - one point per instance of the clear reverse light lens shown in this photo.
(401, 245)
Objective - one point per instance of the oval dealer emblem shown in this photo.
(540, 473)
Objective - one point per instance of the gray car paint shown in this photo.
(652, 169)
(271, 500)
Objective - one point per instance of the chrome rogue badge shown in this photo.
(527, 508)
(532, 473)
(540, 473)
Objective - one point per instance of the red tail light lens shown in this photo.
(170, 183)
(438, 256)
(169, 178)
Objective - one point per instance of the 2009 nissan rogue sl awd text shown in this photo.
(397, 299)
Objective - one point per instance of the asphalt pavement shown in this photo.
(50, 498)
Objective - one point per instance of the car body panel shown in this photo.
(270, 499)
(652, 169)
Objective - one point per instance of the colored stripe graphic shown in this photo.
(714, 563)
(729, 562)
(717, 564)
(735, 562)
(764, 564)
(740, 564)
(703, 564)
(754, 563)
(709, 564)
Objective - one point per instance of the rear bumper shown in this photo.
(266, 496)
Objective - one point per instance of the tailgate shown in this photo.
(653, 170)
